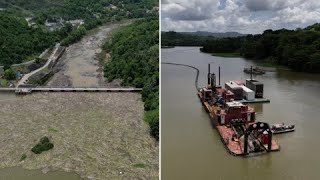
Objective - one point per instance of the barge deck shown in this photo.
(235, 121)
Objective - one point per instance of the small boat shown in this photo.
(281, 128)
(255, 70)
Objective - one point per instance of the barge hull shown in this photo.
(235, 148)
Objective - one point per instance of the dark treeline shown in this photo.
(172, 38)
(135, 59)
(298, 49)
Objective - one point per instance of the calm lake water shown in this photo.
(192, 149)
(18, 173)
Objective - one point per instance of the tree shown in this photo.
(9, 74)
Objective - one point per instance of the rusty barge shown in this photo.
(235, 122)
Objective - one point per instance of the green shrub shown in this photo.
(9, 74)
(43, 145)
(134, 53)
(154, 128)
(139, 165)
(152, 118)
(44, 139)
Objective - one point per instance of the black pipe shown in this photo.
(245, 151)
(197, 75)
(219, 75)
(209, 74)
(213, 84)
(251, 73)
(270, 140)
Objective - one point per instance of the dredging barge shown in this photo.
(235, 122)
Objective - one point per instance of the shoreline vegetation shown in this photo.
(134, 58)
(297, 50)
(229, 55)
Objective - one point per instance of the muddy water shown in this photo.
(18, 173)
(191, 148)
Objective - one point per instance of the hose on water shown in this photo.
(197, 70)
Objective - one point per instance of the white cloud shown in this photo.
(245, 16)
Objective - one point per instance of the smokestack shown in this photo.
(219, 75)
(251, 73)
(209, 74)
(213, 82)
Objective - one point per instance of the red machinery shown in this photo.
(235, 122)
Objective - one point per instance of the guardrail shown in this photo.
(28, 90)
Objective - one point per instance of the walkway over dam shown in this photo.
(28, 90)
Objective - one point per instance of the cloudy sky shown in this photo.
(244, 16)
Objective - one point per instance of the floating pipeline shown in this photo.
(185, 65)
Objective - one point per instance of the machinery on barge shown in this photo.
(236, 123)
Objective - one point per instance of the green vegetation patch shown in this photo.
(23, 42)
(171, 39)
(297, 49)
(9, 74)
(273, 65)
(23, 157)
(52, 130)
(139, 165)
(19, 41)
(43, 145)
(227, 55)
(152, 118)
(4, 82)
(134, 53)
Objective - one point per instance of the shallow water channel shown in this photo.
(18, 173)
(192, 149)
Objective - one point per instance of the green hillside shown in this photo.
(135, 59)
(19, 42)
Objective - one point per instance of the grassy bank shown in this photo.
(272, 65)
(230, 55)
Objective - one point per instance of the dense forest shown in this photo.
(172, 38)
(80, 9)
(20, 42)
(298, 49)
(135, 59)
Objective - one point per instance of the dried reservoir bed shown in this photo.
(96, 135)
(79, 66)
